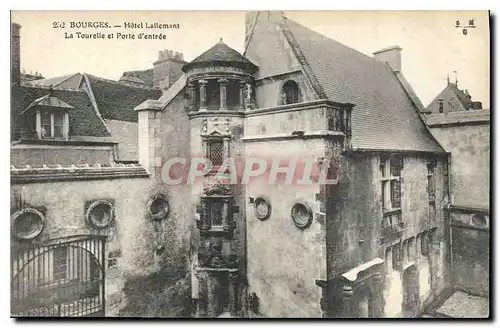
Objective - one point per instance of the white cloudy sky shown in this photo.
(432, 46)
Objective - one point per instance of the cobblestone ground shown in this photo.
(462, 305)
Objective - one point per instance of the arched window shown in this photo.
(290, 93)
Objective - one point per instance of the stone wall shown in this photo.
(283, 260)
(35, 155)
(466, 135)
(432, 268)
(354, 230)
(286, 121)
(469, 145)
(470, 252)
(164, 133)
(131, 234)
(268, 90)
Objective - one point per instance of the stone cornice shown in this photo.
(321, 134)
(216, 113)
(297, 107)
(150, 104)
(47, 174)
(62, 142)
(472, 117)
(401, 151)
(273, 110)
(467, 209)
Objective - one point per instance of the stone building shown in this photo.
(85, 218)
(462, 126)
(372, 242)
(371, 245)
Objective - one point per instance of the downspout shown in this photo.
(449, 258)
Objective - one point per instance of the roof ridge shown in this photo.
(48, 87)
(119, 83)
(65, 78)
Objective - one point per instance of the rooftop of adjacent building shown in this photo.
(452, 99)
(387, 112)
(102, 109)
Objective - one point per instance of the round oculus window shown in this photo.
(479, 220)
(158, 207)
(100, 214)
(302, 215)
(27, 223)
(262, 208)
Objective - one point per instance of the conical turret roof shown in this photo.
(219, 54)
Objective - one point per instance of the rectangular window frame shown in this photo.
(221, 203)
(51, 133)
(390, 170)
(431, 187)
(210, 156)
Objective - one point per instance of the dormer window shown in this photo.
(52, 124)
(51, 117)
(441, 105)
(290, 93)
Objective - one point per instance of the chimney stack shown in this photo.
(390, 55)
(167, 69)
(15, 53)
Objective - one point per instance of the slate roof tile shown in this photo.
(83, 120)
(116, 101)
(384, 117)
(144, 75)
(219, 53)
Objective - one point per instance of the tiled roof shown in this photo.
(144, 75)
(116, 101)
(460, 95)
(66, 81)
(83, 120)
(384, 117)
(220, 52)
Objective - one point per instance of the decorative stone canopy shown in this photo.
(221, 55)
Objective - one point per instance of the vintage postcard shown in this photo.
(261, 164)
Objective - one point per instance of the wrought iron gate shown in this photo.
(60, 278)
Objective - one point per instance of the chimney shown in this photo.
(167, 69)
(15, 53)
(390, 55)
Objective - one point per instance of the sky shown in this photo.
(432, 46)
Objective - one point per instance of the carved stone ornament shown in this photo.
(100, 213)
(217, 125)
(27, 223)
(302, 215)
(216, 190)
(158, 207)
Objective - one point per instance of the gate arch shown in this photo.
(61, 277)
